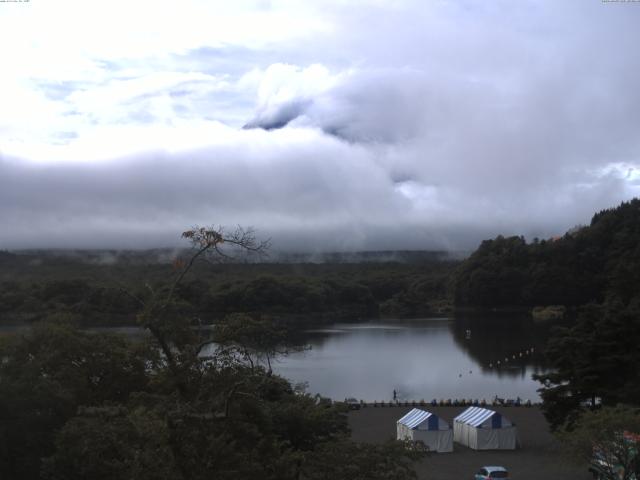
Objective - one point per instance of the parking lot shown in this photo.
(538, 458)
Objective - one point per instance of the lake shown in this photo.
(421, 359)
(431, 358)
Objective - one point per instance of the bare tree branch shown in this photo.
(204, 240)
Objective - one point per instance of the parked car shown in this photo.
(488, 473)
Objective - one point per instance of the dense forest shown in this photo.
(588, 264)
(78, 405)
(33, 285)
(594, 356)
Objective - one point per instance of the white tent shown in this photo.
(483, 429)
(425, 426)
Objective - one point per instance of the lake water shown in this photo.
(421, 359)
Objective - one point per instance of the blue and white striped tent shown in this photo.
(427, 427)
(483, 429)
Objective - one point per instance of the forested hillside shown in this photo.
(32, 286)
(596, 271)
(589, 264)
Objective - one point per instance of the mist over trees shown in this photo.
(589, 264)
(76, 404)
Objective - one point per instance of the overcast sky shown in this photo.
(326, 125)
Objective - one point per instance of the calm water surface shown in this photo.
(421, 359)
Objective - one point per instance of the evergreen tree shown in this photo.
(595, 361)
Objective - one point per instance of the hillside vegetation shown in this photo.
(34, 285)
(591, 264)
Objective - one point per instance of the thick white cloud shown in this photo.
(369, 124)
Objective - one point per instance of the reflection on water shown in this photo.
(421, 359)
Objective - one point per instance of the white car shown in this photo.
(489, 473)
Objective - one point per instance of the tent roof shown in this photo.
(415, 418)
(474, 416)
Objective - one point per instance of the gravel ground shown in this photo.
(537, 459)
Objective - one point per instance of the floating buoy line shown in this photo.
(515, 356)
